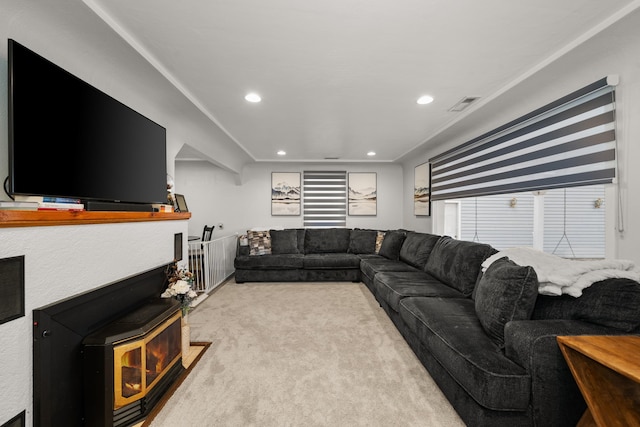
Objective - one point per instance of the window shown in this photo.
(566, 222)
(324, 196)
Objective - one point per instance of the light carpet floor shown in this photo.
(302, 354)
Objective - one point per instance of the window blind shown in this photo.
(570, 142)
(324, 199)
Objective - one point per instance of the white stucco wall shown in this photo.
(62, 261)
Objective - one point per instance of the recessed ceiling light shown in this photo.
(253, 97)
(425, 99)
(371, 153)
(281, 153)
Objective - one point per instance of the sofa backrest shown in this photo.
(284, 241)
(457, 263)
(392, 243)
(612, 302)
(362, 241)
(326, 240)
(416, 248)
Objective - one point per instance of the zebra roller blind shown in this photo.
(324, 199)
(569, 142)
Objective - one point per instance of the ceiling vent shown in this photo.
(464, 103)
(331, 158)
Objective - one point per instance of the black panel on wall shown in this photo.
(11, 288)
(177, 247)
(17, 421)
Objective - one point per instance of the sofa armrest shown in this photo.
(555, 397)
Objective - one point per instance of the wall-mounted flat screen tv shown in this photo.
(69, 139)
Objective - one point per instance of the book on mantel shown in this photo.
(19, 205)
(60, 206)
(40, 203)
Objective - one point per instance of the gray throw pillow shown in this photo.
(284, 241)
(505, 292)
(391, 244)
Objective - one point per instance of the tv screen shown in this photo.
(69, 139)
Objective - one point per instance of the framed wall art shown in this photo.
(422, 190)
(285, 193)
(363, 193)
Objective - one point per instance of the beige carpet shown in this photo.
(302, 354)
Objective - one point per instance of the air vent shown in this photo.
(464, 103)
(331, 158)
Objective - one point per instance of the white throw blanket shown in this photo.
(559, 276)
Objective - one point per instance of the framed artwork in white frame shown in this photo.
(363, 193)
(285, 193)
(422, 190)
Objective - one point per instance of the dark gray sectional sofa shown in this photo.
(487, 339)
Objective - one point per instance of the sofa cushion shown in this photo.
(391, 244)
(392, 286)
(284, 241)
(330, 261)
(326, 240)
(416, 248)
(505, 292)
(259, 242)
(301, 233)
(270, 262)
(362, 241)
(612, 302)
(457, 262)
(371, 266)
(449, 329)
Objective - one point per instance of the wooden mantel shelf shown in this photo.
(14, 218)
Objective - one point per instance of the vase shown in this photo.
(186, 339)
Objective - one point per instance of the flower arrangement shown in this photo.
(180, 281)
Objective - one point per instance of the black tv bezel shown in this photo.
(102, 202)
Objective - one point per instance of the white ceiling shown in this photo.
(339, 78)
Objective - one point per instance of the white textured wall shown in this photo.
(60, 262)
(214, 196)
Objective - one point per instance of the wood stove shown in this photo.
(129, 364)
(121, 311)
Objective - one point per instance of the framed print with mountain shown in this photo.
(285, 193)
(422, 190)
(363, 193)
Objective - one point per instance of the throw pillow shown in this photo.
(379, 239)
(362, 241)
(284, 241)
(505, 292)
(391, 244)
(259, 242)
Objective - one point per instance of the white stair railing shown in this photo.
(212, 262)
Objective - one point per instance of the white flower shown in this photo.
(181, 287)
(168, 293)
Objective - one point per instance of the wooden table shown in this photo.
(607, 371)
